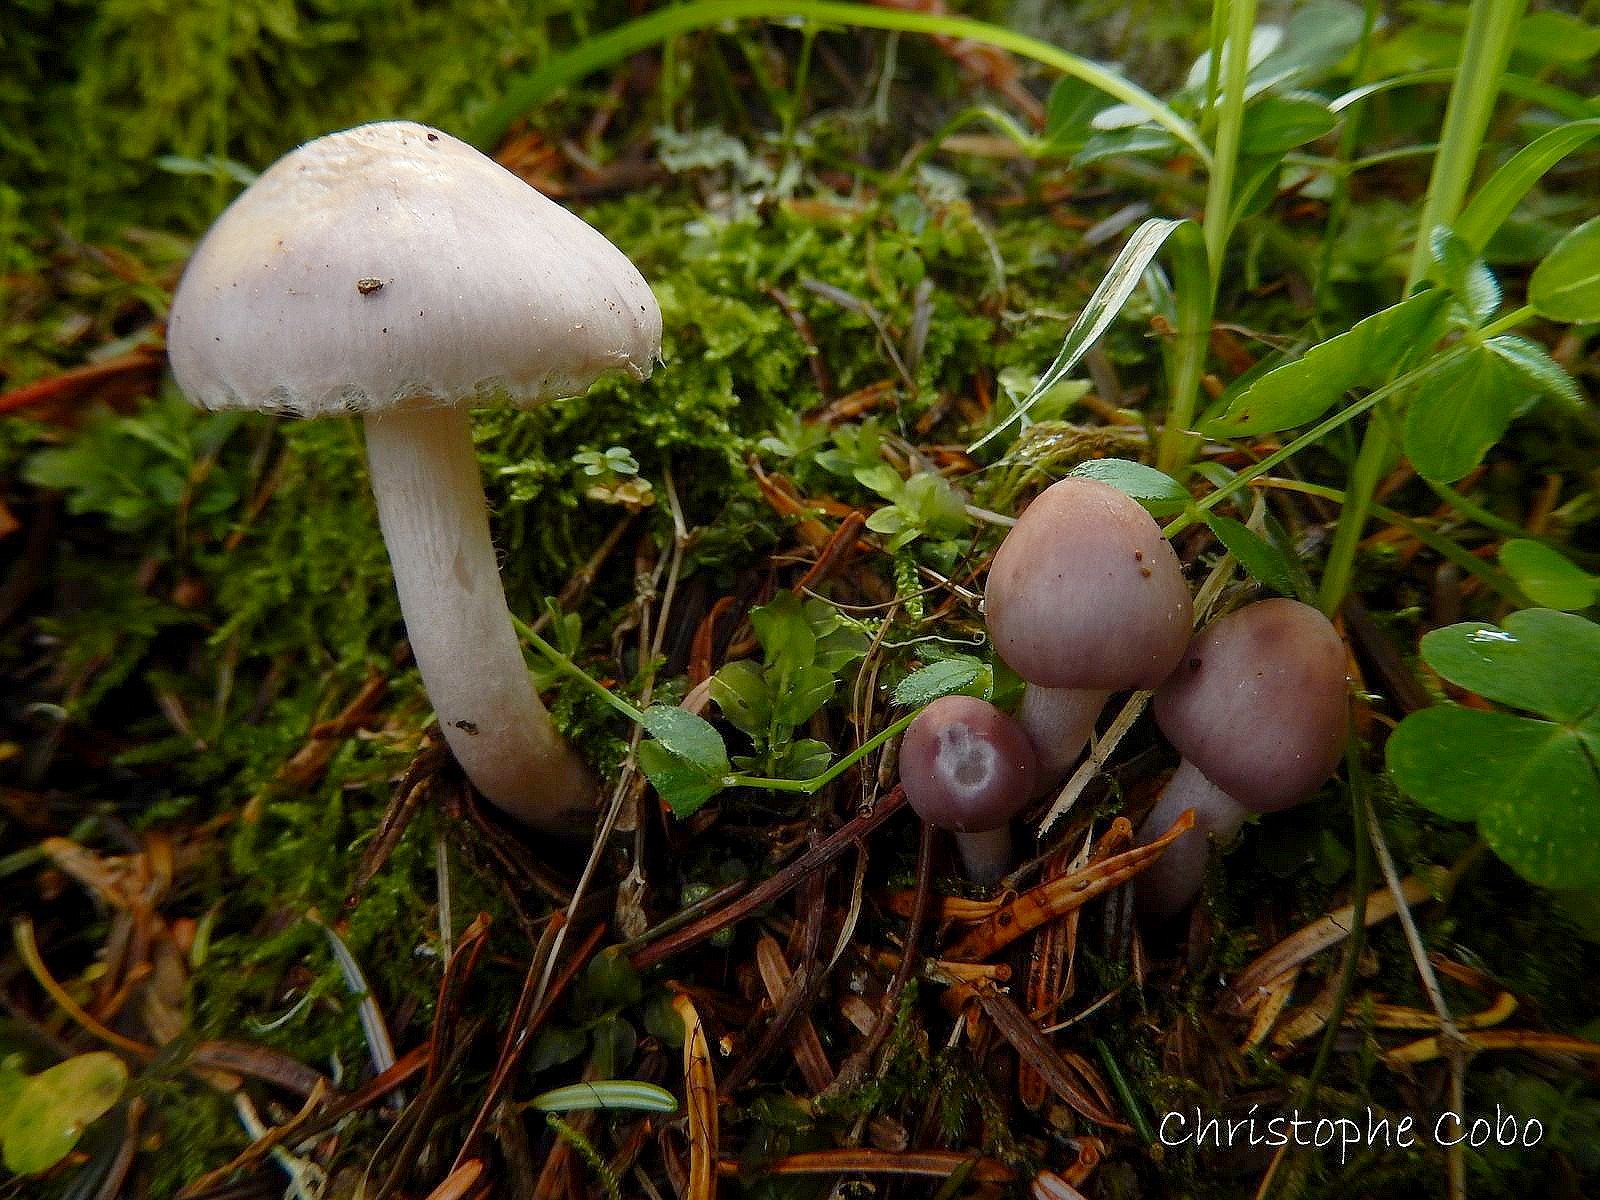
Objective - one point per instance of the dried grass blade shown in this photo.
(1396, 1016)
(700, 1097)
(459, 1182)
(942, 908)
(1268, 1013)
(241, 1058)
(1498, 1039)
(777, 978)
(28, 951)
(1076, 1082)
(1252, 985)
(938, 1163)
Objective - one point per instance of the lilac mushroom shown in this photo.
(968, 768)
(395, 273)
(1258, 709)
(1085, 597)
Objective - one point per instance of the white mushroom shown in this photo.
(394, 272)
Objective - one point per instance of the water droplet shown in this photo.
(1500, 636)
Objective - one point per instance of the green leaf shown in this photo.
(1566, 285)
(1458, 412)
(1547, 578)
(1535, 370)
(1455, 760)
(943, 678)
(787, 642)
(1317, 35)
(1121, 279)
(1278, 124)
(802, 694)
(880, 478)
(886, 520)
(12, 1079)
(687, 736)
(1496, 199)
(1542, 661)
(1531, 785)
(627, 1094)
(1264, 561)
(610, 980)
(1557, 38)
(803, 758)
(684, 786)
(1465, 274)
(1545, 822)
(52, 1109)
(1137, 480)
(740, 690)
(555, 1045)
(615, 1041)
(1258, 184)
(1302, 390)
(1068, 111)
(687, 760)
(1138, 140)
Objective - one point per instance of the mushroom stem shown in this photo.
(1174, 879)
(986, 856)
(435, 523)
(1058, 722)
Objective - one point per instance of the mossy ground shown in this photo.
(188, 595)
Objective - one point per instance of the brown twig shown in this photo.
(802, 327)
(252, 1154)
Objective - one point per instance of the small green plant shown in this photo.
(42, 1116)
(595, 1022)
(135, 471)
(1531, 782)
(612, 477)
(806, 648)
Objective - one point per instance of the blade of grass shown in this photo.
(1486, 49)
(594, 53)
(1121, 279)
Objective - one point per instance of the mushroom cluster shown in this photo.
(1086, 597)
(394, 273)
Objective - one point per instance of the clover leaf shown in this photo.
(1532, 783)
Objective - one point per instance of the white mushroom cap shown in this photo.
(392, 266)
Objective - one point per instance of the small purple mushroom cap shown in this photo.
(966, 766)
(969, 768)
(1259, 704)
(1086, 593)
